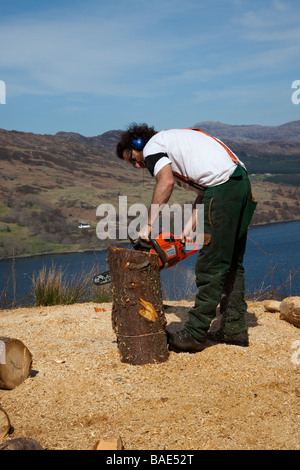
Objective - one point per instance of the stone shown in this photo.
(272, 306)
(290, 310)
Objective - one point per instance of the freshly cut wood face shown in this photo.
(148, 311)
(17, 365)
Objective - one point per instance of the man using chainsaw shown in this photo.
(206, 165)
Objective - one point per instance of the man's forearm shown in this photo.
(161, 195)
(190, 227)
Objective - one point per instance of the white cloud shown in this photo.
(144, 49)
(85, 55)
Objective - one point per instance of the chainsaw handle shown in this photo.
(140, 244)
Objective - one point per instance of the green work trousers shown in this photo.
(228, 209)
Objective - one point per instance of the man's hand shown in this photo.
(145, 232)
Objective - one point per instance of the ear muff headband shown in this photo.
(137, 144)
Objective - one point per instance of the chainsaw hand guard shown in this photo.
(141, 245)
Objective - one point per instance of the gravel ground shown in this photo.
(225, 397)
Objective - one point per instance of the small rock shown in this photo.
(272, 306)
(21, 443)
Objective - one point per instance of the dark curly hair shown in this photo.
(133, 132)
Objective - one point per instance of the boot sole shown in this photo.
(232, 342)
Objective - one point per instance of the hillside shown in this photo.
(50, 183)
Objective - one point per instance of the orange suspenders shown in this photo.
(230, 153)
(186, 180)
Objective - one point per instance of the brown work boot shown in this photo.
(183, 341)
(238, 339)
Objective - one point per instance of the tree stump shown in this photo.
(4, 423)
(137, 315)
(15, 363)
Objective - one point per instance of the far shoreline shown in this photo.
(119, 243)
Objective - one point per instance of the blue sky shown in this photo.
(92, 66)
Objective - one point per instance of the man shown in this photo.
(201, 162)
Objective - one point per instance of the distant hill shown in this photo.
(106, 141)
(50, 183)
(289, 132)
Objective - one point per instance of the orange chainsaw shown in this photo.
(170, 251)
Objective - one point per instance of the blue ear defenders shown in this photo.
(137, 144)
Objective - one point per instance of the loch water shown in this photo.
(272, 264)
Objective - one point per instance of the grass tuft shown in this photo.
(53, 287)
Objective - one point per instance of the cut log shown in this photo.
(137, 315)
(109, 444)
(21, 443)
(4, 423)
(15, 363)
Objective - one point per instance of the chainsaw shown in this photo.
(170, 251)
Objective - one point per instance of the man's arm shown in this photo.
(161, 195)
(190, 227)
(164, 186)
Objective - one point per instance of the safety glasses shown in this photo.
(132, 160)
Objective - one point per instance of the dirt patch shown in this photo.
(225, 397)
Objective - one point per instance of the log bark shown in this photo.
(4, 423)
(21, 443)
(15, 364)
(137, 315)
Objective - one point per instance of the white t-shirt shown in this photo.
(191, 153)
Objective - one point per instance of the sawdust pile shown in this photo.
(225, 397)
